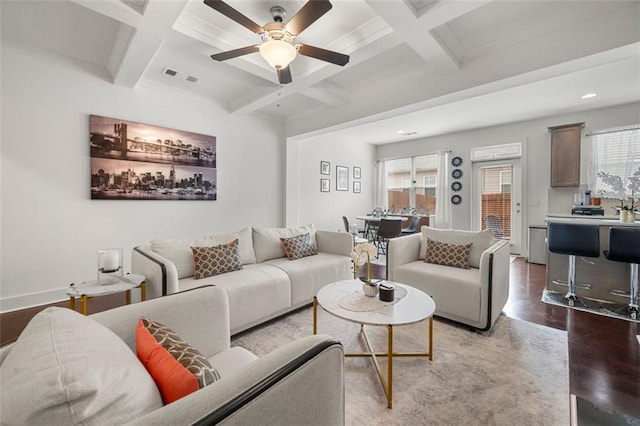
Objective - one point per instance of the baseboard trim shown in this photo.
(25, 301)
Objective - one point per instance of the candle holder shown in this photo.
(109, 266)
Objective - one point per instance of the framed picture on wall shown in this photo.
(356, 172)
(356, 186)
(325, 185)
(325, 168)
(342, 178)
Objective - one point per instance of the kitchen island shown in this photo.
(600, 273)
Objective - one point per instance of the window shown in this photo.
(411, 183)
(616, 152)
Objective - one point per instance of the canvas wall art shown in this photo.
(135, 161)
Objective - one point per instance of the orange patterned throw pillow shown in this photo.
(208, 261)
(298, 246)
(177, 368)
(440, 253)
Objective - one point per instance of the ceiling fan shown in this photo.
(278, 45)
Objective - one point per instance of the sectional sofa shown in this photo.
(268, 283)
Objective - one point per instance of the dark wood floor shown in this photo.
(604, 354)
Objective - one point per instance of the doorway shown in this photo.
(497, 200)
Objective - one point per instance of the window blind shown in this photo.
(617, 153)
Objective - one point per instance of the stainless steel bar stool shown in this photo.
(573, 240)
(624, 246)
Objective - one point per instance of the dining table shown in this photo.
(371, 223)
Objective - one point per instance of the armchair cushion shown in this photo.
(298, 247)
(216, 260)
(177, 367)
(456, 255)
(481, 240)
(66, 368)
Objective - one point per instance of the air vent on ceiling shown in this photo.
(170, 72)
(192, 79)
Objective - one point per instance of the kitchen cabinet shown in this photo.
(565, 155)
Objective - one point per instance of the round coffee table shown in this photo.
(345, 300)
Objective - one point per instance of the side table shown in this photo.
(89, 289)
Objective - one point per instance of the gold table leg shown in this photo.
(127, 297)
(315, 315)
(83, 304)
(143, 291)
(72, 303)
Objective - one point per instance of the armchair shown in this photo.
(473, 296)
(300, 383)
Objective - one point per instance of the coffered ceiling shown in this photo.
(420, 66)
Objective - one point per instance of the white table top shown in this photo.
(371, 218)
(414, 307)
(92, 288)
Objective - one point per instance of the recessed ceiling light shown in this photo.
(589, 95)
(400, 132)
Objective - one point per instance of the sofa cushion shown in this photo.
(178, 250)
(481, 241)
(298, 246)
(456, 255)
(208, 261)
(177, 368)
(66, 368)
(266, 241)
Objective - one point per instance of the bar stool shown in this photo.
(624, 246)
(574, 240)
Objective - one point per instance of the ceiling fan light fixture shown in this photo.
(278, 53)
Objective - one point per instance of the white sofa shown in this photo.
(267, 286)
(66, 368)
(473, 296)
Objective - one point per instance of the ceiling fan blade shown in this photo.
(230, 54)
(309, 14)
(234, 15)
(284, 75)
(323, 54)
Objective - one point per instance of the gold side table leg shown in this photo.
(390, 366)
(127, 297)
(72, 303)
(143, 291)
(315, 315)
(83, 304)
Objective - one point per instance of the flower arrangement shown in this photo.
(358, 257)
(617, 186)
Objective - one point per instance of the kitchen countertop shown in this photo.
(589, 220)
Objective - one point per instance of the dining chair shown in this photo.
(413, 226)
(388, 229)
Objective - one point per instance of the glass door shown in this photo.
(496, 195)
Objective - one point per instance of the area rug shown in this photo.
(599, 307)
(516, 373)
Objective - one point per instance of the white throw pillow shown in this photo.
(178, 250)
(67, 369)
(266, 241)
(481, 240)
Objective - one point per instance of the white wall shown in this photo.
(537, 139)
(305, 203)
(50, 228)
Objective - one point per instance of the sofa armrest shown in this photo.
(494, 275)
(199, 316)
(333, 242)
(402, 250)
(301, 383)
(161, 275)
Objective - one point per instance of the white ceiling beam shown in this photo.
(369, 51)
(113, 9)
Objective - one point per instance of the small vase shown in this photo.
(627, 216)
(369, 289)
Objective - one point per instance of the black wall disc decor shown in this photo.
(456, 199)
(456, 186)
(456, 173)
(456, 161)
